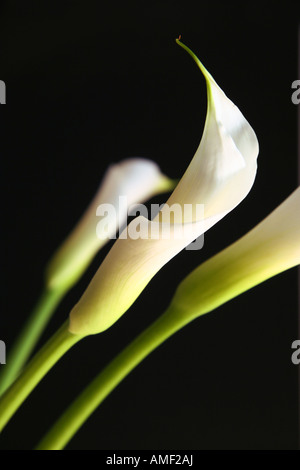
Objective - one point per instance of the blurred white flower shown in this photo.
(134, 179)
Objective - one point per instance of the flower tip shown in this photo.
(166, 184)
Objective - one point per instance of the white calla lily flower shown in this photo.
(135, 180)
(273, 246)
(219, 177)
(223, 169)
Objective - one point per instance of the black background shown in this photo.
(89, 83)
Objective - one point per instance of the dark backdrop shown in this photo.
(88, 85)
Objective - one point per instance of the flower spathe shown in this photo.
(273, 246)
(136, 180)
(219, 176)
(223, 169)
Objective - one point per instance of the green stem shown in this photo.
(80, 410)
(29, 337)
(37, 368)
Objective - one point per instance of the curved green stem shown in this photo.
(29, 337)
(37, 368)
(80, 410)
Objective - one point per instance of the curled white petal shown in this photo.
(223, 169)
(220, 175)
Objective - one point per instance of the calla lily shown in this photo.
(136, 180)
(272, 247)
(219, 176)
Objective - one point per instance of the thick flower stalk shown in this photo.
(219, 177)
